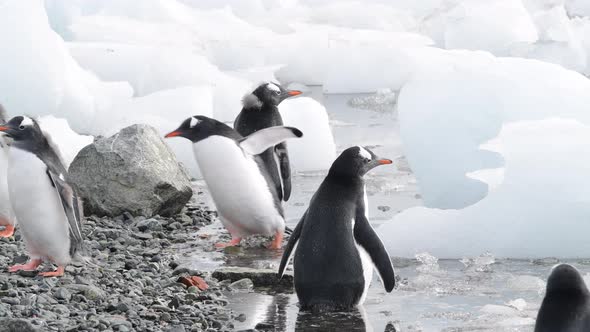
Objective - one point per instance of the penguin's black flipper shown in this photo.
(289, 249)
(263, 139)
(72, 205)
(285, 169)
(366, 237)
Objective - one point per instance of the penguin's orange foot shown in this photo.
(30, 266)
(234, 242)
(277, 242)
(8, 231)
(57, 273)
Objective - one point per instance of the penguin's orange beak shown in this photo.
(385, 162)
(171, 134)
(294, 93)
(4, 128)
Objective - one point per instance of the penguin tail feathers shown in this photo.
(86, 260)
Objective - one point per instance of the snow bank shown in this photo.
(149, 69)
(39, 76)
(449, 110)
(475, 25)
(316, 149)
(540, 210)
(578, 7)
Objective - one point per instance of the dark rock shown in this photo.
(260, 277)
(16, 325)
(262, 326)
(175, 303)
(132, 171)
(130, 265)
(63, 294)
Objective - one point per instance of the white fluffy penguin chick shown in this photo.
(237, 178)
(47, 208)
(7, 218)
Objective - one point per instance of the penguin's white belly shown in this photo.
(366, 261)
(38, 208)
(238, 188)
(6, 213)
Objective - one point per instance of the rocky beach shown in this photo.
(132, 282)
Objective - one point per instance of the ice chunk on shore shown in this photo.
(316, 149)
(545, 197)
(442, 134)
(39, 77)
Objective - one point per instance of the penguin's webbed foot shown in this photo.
(8, 231)
(234, 242)
(30, 266)
(57, 273)
(277, 242)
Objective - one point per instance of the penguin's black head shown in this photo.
(566, 278)
(24, 132)
(199, 127)
(356, 161)
(270, 94)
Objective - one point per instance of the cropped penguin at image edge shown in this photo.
(47, 207)
(236, 176)
(566, 306)
(334, 246)
(7, 217)
(260, 110)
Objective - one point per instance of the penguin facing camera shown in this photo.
(236, 176)
(260, 110)
(334, 245)
(47, 207)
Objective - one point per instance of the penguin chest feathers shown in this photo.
(38, 207)
(237, 186)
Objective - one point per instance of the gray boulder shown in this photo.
(132, 171)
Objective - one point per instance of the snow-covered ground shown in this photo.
(458, 72)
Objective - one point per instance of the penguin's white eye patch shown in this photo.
(364, 153)
(26, 122)
(273, 87)
(194, 122)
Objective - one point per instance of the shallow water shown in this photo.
(475, 294)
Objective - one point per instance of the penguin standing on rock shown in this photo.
(335, 247)
(261, 111)
(48, 209)
(236, 176)
(566, 306)
(7, 219)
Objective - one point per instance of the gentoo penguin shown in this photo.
(7, 219)
(260, 110)
(47, 208)
(566, 306)
(236, 177)
(335, 246)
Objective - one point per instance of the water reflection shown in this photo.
(337, 321)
